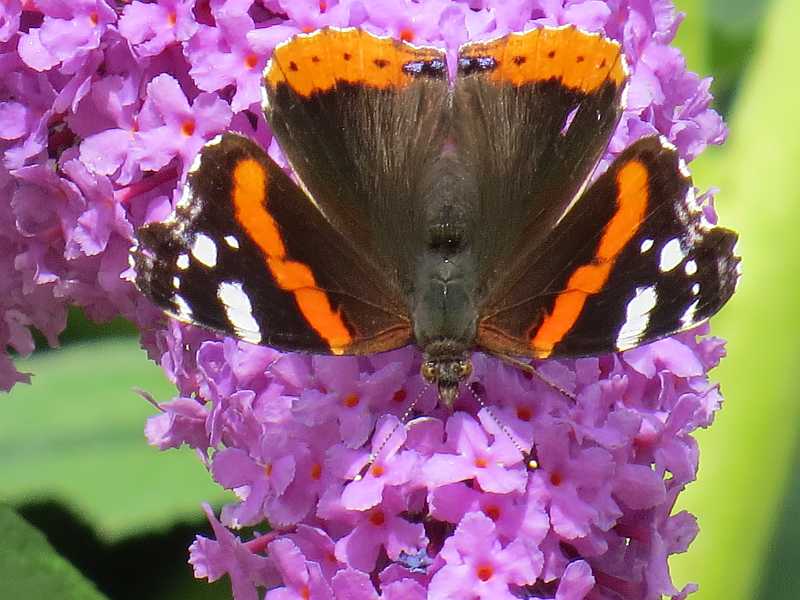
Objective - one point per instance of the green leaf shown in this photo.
(30, 568)
(76, 436)
(747, 456)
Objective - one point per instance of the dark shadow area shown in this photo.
(733, 28)
(152, 565)
(80, 327)
(730, 52)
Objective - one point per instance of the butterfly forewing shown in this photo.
(532, 114)
(248, 254)
(360, 118)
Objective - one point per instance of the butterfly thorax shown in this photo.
(444, 312)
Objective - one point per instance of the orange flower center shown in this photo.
(493, 512)
(481, 462)
(524, 413)
(377, 470)
(399, 395)
(187, 128)
(377, 518)
(316, 471)
(485, 572)
(250, 61)
(172, 18)
(351, 400)
(406, 34)
(556, 479)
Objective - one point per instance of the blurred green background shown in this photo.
(74, 462)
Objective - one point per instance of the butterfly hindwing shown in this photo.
(248, 254)
(633, 261)
(533, 112)
(360, 118)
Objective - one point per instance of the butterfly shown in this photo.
(457, 216)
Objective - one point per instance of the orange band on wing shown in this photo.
(316, 62)
(579, 60)
(250, 201)
(632, 198)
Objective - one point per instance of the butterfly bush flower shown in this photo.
(102, 107)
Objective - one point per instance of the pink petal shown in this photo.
(576, 582)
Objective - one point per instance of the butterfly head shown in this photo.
(446, 373)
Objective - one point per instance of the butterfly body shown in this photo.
(455, 215)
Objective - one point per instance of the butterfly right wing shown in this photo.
(635, 260)
(248, 254)
(533, 113)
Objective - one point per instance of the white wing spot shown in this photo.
(176, 282)
(232, 242)
(215, 140)
(695, 207)
(182, 262)
(625, 93)
(671, 255)
(690, 268)
(684, 169)
(637, 316)
(688, 317)
(646, 245)
(695, 289)
(186, 196)
(184, 310)
(205, 250)
(264, 99)
(195, 166)
(666, 144)
(239, 311)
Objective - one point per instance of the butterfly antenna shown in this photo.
(531, 370)
(403, 420)
(478, 391)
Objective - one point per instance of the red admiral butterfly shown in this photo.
(458, 218)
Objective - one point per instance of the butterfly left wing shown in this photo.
(247, 253)
(633, 261)
(361, 119)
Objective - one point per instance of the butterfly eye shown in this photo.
(428, 371)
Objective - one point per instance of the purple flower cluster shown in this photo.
(102, 107)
